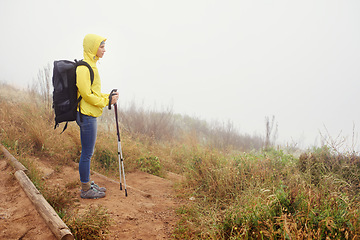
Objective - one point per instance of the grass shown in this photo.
(270, 196)
(230, 191)
(92, 224)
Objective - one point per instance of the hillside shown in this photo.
(187, 179)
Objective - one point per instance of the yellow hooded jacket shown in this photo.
(93, 101)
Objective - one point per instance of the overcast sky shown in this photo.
(216, 60)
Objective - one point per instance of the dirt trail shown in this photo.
(18, 216)
(147, 213)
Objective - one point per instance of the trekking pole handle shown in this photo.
(110, 97)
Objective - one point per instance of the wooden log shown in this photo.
(54, 222)
(13, 161)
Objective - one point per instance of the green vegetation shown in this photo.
(266, 196)
(150, 165)
(233, 188)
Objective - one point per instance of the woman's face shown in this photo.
(101, 51)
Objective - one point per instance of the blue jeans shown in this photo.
(88, 131)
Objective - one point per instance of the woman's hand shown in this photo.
(114, 98)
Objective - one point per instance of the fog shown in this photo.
(216, 60)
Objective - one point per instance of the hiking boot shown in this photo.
(92, 193)
(100, 189)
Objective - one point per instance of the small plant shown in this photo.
(106, 158)
(72, 185)
(150, 165)
(92, 224)
(59, 199)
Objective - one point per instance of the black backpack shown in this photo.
(65, 100)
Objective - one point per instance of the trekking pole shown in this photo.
(120, 155)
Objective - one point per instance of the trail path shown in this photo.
(147, 213)
(18, 217)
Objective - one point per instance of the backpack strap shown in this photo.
(65, 127)
(83, 63)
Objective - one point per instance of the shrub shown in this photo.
(92, 224)
(106, 158)
(150, 165)
(58, 198)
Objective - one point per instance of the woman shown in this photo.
(90, 107)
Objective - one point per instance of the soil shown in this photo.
(148, 212)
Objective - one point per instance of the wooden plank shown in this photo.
(55, 223)
(13, 161)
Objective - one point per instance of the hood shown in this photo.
(91, 44)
